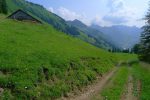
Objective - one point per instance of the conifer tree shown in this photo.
(0, 6)
(4, 7)
(144, 51)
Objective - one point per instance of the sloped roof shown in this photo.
(29, 14)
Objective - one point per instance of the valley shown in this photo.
(45, 57)
(43, 70)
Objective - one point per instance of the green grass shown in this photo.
(141, 72)
(122, 57)
(39, 62)
(115, 87)
(2, 17)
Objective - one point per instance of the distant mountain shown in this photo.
(121, 36)
(92, 32)
(57, 22)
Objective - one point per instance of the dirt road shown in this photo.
(93, 89)
(128, 95)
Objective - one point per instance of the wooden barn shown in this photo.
(23, 16)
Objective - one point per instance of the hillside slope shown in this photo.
(41, 62)
(42, 13)
(100, 38)
(54, 20)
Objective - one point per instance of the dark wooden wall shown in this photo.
(23, 16)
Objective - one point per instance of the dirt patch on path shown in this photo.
(94, 89)
(1, 91)
(128, 94)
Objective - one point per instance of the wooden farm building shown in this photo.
(23, 16)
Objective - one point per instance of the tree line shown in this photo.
(143, 48)
(3, 7)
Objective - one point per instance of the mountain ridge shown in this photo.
(91, 32)
(121, 35)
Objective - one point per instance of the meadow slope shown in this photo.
(39, 62)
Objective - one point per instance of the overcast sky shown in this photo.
(101, 12)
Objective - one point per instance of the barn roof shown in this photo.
(29, 14)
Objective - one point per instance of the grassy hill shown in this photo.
(41, 62)
(56, 21)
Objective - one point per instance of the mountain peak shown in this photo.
(77, 22)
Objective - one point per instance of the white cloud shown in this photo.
(51, 9)
(98, 20)
(114, 5)
(120, 13)
(69, 15)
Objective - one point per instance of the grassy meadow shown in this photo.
(39, 62)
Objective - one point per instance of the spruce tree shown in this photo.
(0, 6)
(4, 7)
(145, 40)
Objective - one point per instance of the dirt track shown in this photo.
(93, 89)
(129, 90)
